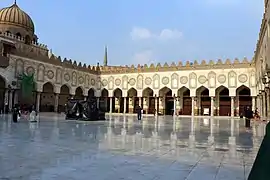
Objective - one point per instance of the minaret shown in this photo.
(105, 63)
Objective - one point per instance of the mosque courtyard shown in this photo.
(180, 148)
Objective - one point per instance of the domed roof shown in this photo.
(13, 15)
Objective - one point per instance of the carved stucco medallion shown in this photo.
(93, 82)
(184, 79)
(104, 82)
(165, 80)
(132, 82)
(148, 81)
(221, 78)
(81, 80)
(30, 70)
(242, 78)
(117, 82)
(202, 79)
(50, 74)
(67, 77)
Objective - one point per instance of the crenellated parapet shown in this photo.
(227, 64)
(22, 40)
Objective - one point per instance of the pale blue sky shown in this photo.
(144, 31)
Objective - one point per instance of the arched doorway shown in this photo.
(133, 101)
(79, 94)
(148, 96)
(105, 100)
(165, 95)
(118, 104)
(2, 93)
(205, 100)
(63, 97)
(185, 101)
(244, 99)
(47, 98)
(224, 101)
(91, 93)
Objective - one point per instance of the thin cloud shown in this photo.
(139, 33)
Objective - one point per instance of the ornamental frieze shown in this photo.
(81, 80)
(184, 80)
(66, 77)
(148, 81)
(93, 82)
(50, 74)
(221, 78)
(242, 78)
(165, 80)
(202, 79)
(132, 82)
(30, 70)
(104, 82)
(117, 82)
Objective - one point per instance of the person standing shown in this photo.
(15, 114)
(139, 113)
(248, 116)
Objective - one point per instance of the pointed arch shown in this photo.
(105, 100)
(47, 98)
(185, 101)
(243, 94)
(223, 101)
(79, 94)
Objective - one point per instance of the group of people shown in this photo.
(249, 114)
(17, 113)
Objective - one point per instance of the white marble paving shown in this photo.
(123, 148)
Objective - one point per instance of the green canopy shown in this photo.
(28, 86)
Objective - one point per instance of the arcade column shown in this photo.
(111, 103)
(130, 105)
(140, 101)
(264, 104)
(10, 100)
(98, 102)
(179, 104)
(192, 106)
(56, 102)
(117, 107)
(253, 103)
(217, 105)
(232, 106)
(38, 101)
(145, 104)
(174, 106)
(161, 105)
(268, 102)
(236, 105)
(125, 105)
(156, 106)
(212, 106)
(6, 102)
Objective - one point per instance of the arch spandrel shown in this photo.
(174, 81)
(156, 81)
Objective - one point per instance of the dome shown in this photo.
(14, 16)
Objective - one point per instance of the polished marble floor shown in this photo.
(124, 148)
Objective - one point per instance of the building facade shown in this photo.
(222, 88)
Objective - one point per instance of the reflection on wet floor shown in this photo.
(124, 148)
